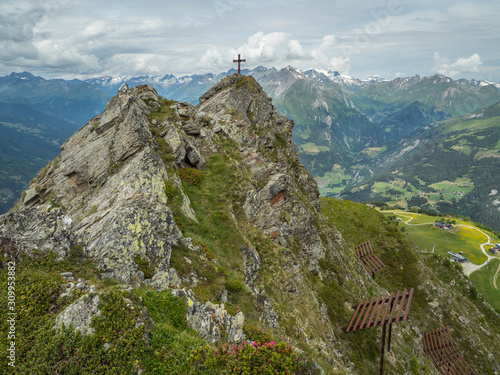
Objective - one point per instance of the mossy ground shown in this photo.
(484, 278)
(218, 203)
(141, 330)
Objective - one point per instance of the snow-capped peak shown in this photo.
(298, 74)
(488, 83)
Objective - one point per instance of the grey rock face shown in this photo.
(110, 178)
(252, 264)
(39, 228)
(207, 318)
(79, 314)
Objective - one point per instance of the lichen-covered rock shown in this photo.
(163, 280)
(40, 227)
(212, 320)
(110, 178)
(79, 315)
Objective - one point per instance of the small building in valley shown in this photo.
(442, 226)
(454, 257)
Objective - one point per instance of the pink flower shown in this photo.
(255, 344)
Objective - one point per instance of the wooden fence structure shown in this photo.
(440, 350)
(368, 258)
(382, 311)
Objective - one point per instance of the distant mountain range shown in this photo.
(347, 130)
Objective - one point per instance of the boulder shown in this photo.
(79, 315)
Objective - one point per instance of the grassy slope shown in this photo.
(39, 284)
(484, 282)
(359, 223)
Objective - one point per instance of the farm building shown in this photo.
(443, 226)
(454, 257)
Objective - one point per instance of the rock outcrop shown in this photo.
(241, 110)
(79, 315)
(109, 180)
(106, 193)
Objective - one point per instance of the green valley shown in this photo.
(448, 167)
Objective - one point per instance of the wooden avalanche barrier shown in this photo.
(371, 262)
(380, 312)
(440, 350)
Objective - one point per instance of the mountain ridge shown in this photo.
(331, 137)
(211, 205)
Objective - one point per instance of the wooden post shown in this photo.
(382, 351)
(389, 339)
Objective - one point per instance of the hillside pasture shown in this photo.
(484, 280)
(461, 238)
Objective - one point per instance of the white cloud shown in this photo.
(265, 47)
(352, 36)
(322, 56)
(296, 51)
(260, 48)
(461, 66)
(277, 49)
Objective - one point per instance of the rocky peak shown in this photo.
(110, 192)
(242, 108)
(105, 192)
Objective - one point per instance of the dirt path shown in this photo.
(410, 218)
(469, 267)
(496, 276)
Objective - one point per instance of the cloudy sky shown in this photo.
(75, 38)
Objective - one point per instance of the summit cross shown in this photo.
(239, 61)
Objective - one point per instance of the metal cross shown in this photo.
(239, 61)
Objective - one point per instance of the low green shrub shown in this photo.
(191, 175)
(234, 285)
(145, 266)
(268, 358)
(257, 334)
(169, 189)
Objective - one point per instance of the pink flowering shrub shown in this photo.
(253, 358)
(191, 175)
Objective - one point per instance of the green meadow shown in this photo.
(461, 238)
(483, 278)
(465, 238)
